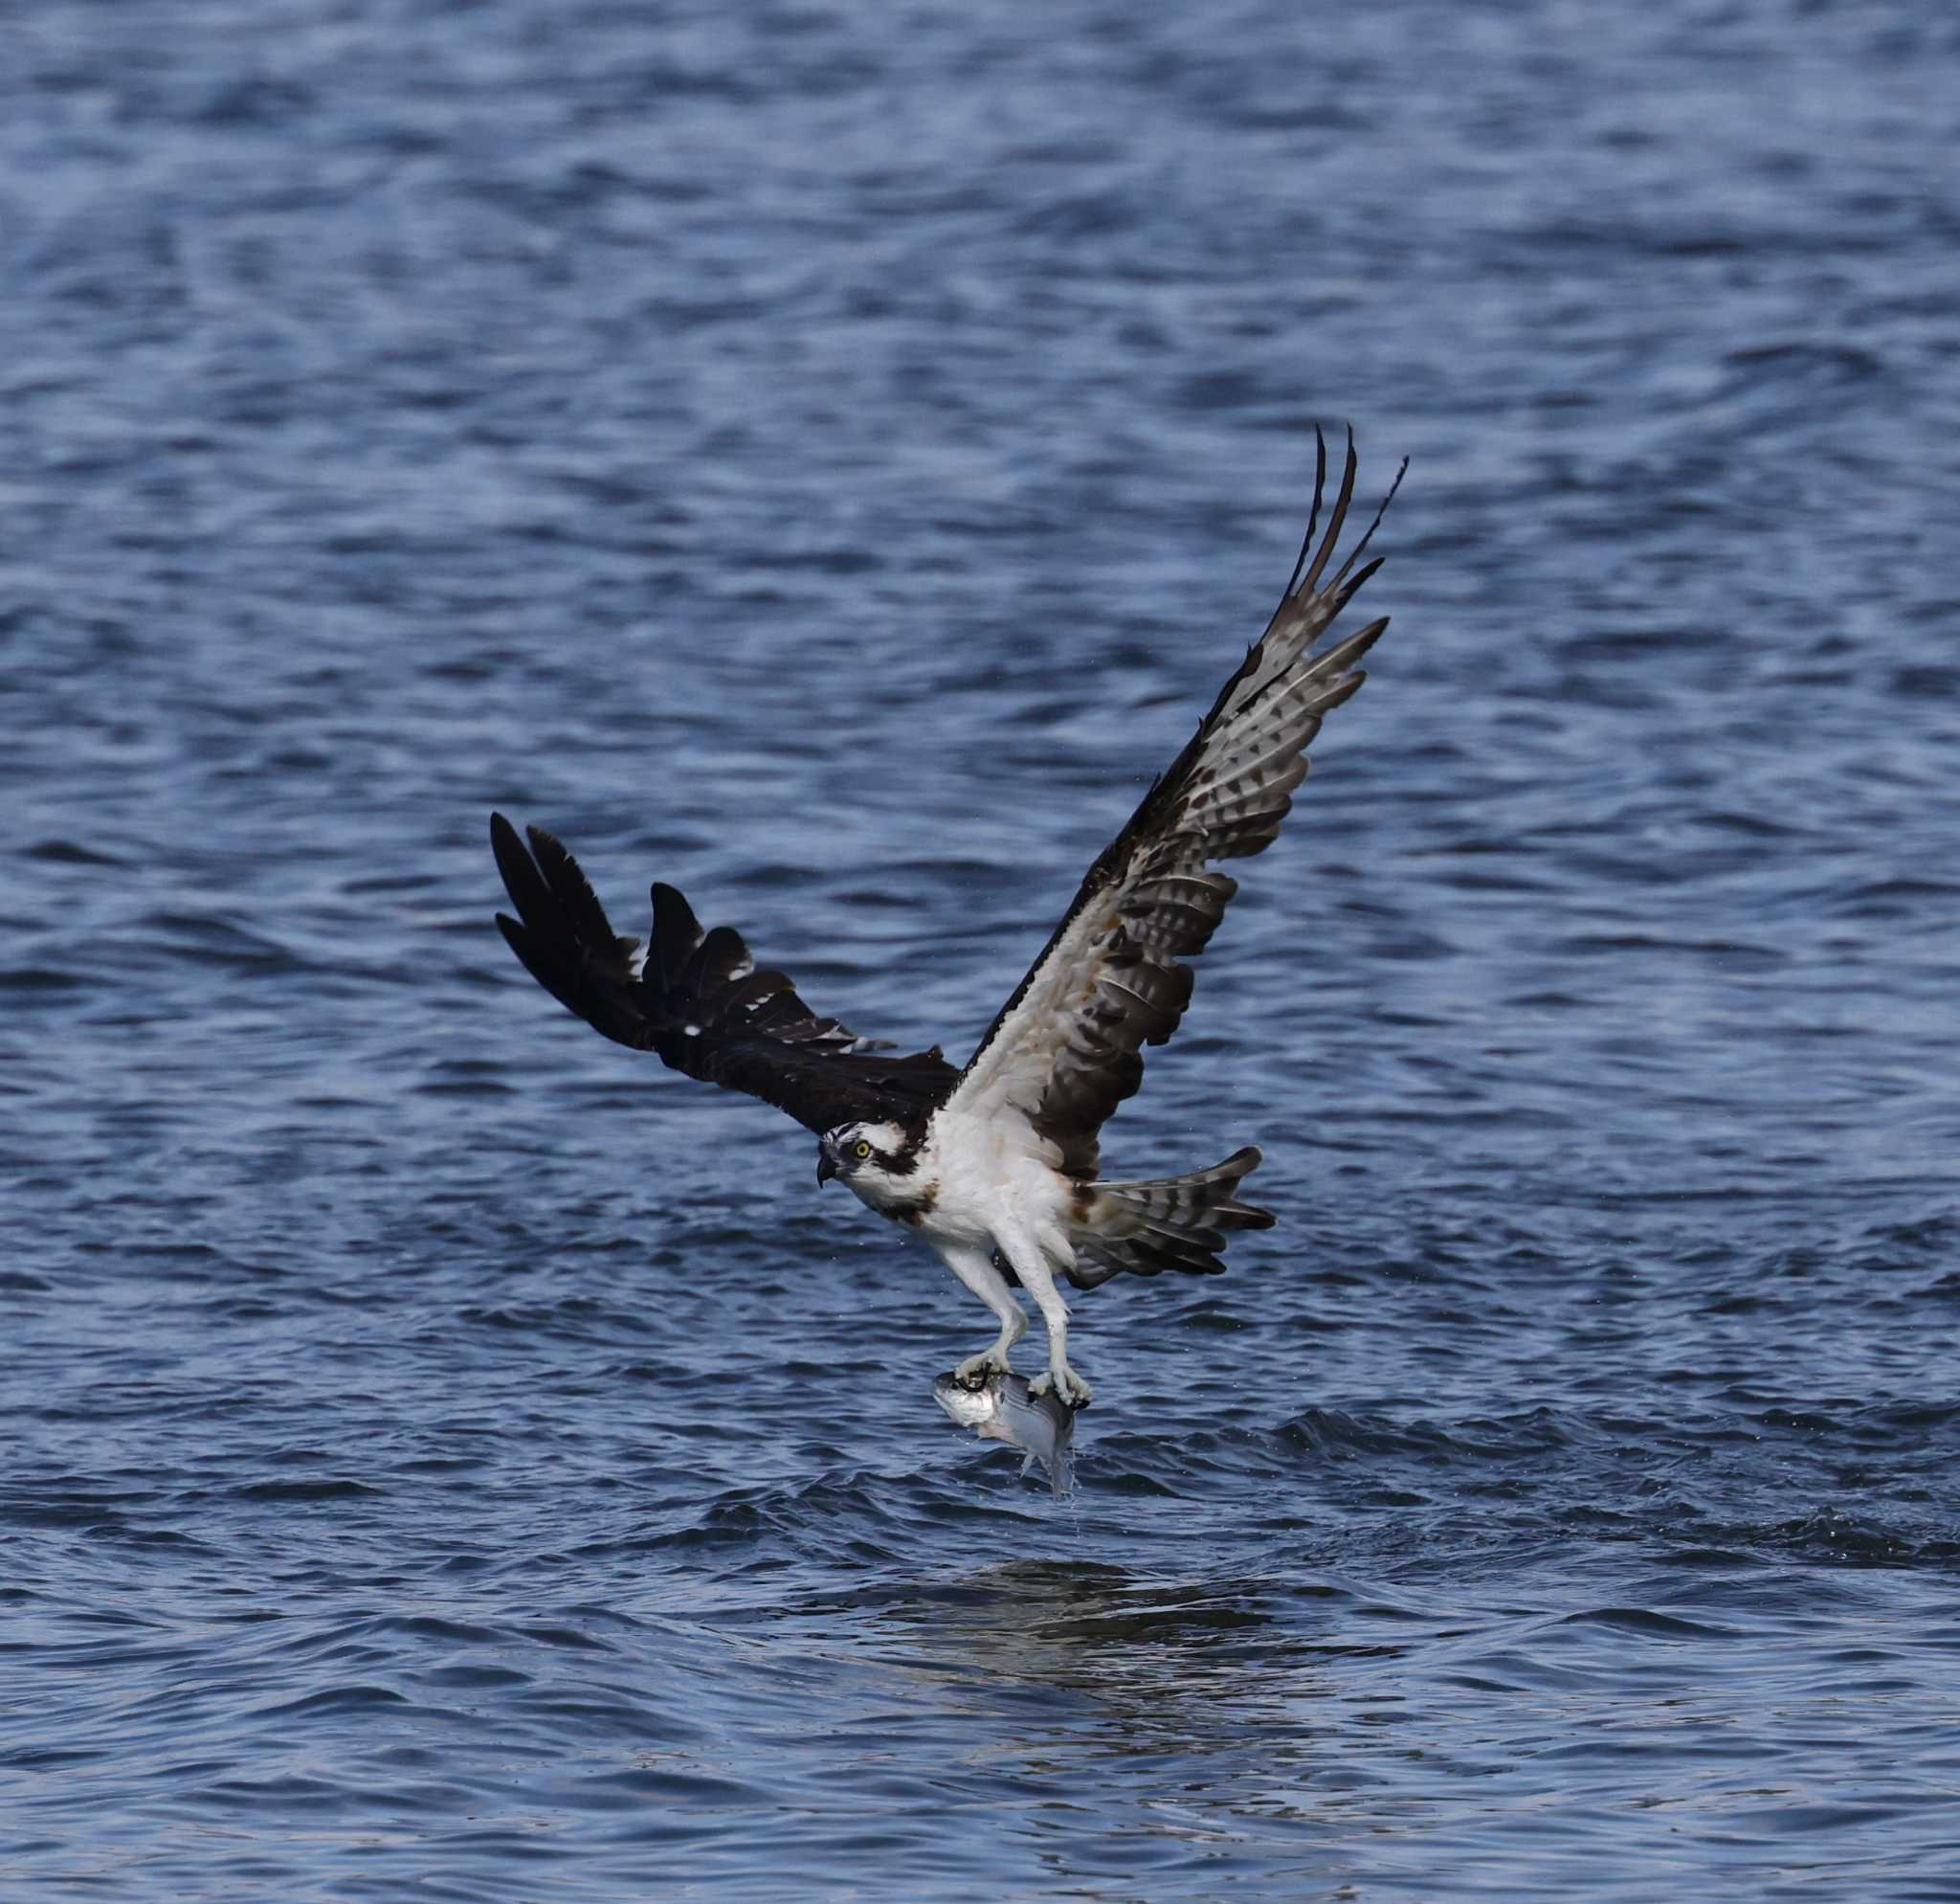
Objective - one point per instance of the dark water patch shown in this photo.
(303, 1493)
(30, 978)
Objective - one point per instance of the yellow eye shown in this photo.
(860, 1150)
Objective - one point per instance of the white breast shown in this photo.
(994, 1175)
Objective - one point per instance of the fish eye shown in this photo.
(860, 1150)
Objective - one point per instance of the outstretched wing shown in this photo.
(1067, 1048)
(697, 999)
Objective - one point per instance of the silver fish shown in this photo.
(1000, 1409)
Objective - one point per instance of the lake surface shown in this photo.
(827, 458)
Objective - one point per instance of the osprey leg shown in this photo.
(975, 1268)
(1031, 1264)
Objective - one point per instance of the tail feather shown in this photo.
(1165, 1223)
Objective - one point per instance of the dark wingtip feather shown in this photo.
(1313, 515)
(1350, 649)
(530, 953)
(1352, 586)
(505, 844)
(676, 934)
(1360, 547)
(577, 903)
(1343, 497)
(522, 879)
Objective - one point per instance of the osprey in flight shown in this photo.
(996, 1165)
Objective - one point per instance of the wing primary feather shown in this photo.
(570, 888)
(1351, 587)
(1355, 553)
(676, 935)
(1313, 515)
(719, 961)
(1349, 650)
(1343, 496)
(521, 880)
(520, 942)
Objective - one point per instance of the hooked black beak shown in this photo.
(825, 1168)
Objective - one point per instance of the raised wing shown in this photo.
(1067, 1048)
(697, 999)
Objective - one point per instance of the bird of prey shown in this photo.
(996, 1165)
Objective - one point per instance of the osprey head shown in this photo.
(865, 1155)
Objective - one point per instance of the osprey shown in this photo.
(996, 1165)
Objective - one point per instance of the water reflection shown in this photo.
(1126, 1662)
(1157, 1729)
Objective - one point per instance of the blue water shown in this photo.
(826, 458)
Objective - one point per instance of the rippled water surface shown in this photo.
(826, 457)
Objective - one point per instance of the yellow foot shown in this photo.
(1070, 1389)
(974, 1371)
